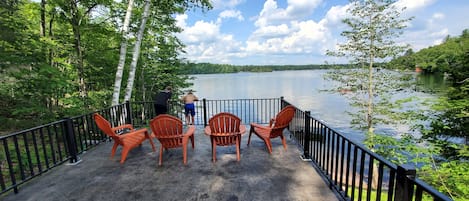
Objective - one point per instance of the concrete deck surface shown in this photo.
(258, 176)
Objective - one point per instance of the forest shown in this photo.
(63, 58)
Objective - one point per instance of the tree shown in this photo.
(122, 55)
(136, 51)
(165, 8)
(374, 25)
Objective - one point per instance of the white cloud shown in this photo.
(438, 16)
(302, 37)
(289, 35)
(201, 32)
(271, 31)
(335, 15)
(301, 8)
(412, 5)
(271, 14)
(181, 20)
(204, 42)
(232, 14)
(223, 4)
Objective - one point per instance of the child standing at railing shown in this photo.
(189, 107)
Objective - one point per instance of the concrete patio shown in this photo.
(258, 176)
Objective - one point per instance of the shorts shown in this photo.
(189, 108)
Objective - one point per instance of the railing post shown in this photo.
(404, 188)
(306, 144)
(282, 102)
(204, 101)
(71, 142)
(129, 113)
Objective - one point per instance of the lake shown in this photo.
(303, 88)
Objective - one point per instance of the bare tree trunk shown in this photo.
(51, 35)
(136, 52)
(43, 18)
(123, 52)
(75, 21)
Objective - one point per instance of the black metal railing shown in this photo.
(29, 153)
(249, 110)
(354, 171)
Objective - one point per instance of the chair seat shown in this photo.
(261, 130)
(132, 140)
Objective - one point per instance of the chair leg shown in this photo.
(250, 133)
(151, 141)
(114, 148)
(161, 156)
(184, 154)
(192, 141)
(214, 151)
(284, 142)
(269, 145)
(125, 151)
(238, 143)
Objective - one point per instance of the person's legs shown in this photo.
(160, 109)
(186, 112)
(193, 116)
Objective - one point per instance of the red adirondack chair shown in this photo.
(275, 128)
(225, 129)
(128, 140)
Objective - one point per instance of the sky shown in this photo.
(299, 32)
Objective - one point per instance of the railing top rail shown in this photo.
(31, 129)
(429, 189)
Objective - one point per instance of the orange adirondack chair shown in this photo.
(168, 130)
(225, 129)
(275, 128)
(128, 140)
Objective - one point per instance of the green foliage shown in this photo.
(64, 64)
(451, 177)
(373, 27)
(438, 58)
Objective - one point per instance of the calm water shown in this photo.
(304, 89)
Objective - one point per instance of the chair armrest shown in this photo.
(143, 131)
(207, 130)
(271, 122)
(259, 125)
(190, 131)
(122, 127)
(242, 129)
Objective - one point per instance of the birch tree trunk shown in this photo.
(123, 53)
(136, 52)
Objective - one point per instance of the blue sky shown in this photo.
(281, 32)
